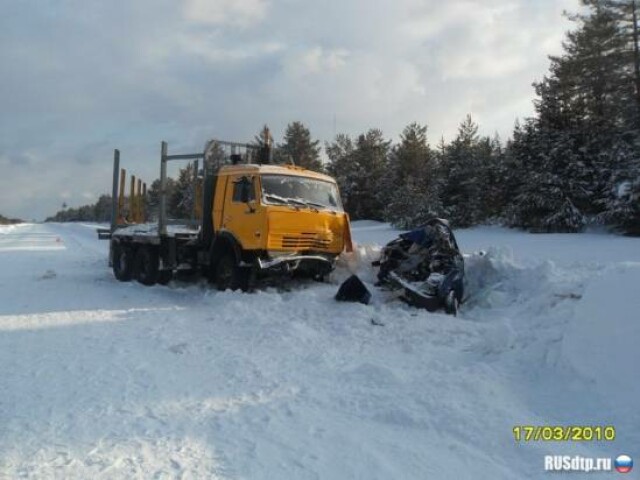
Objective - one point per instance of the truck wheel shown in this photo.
(146, 266)
(122, 262)
(228, 274)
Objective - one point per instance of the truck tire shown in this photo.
(122, 262)
(228, 273)
(146, 266)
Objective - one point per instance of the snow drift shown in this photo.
(601, 340)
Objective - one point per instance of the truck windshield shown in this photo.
(300, 191)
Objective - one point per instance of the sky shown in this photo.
(82, 77)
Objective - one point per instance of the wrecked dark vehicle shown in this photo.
(427, 264)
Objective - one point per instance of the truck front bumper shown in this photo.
(293, 262)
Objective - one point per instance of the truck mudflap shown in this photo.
(293, 262)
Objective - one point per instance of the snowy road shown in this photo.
(102, 379)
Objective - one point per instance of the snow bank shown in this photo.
(496, 279)
(602, 340)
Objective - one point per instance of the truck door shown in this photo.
(243, 218)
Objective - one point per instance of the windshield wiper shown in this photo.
(285, 201)
(275, 198)
(294, 202)
(310, 205)
(319, 205)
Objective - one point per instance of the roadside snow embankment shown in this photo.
(496, 279)
(601, 341)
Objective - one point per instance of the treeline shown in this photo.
(179, 204)
(575, 162)
(97, 212)
(9, 221)
(410, 182)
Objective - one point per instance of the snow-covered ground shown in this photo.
(102, 379)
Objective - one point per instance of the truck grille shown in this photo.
(306, 240)
(302, 241)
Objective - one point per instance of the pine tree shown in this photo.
(182, 200)
(462, 181)
(412, 158)
(497, 179)
(542, 202)
(215, 157)
(152, 207)
(625, 14)
(371, 158)
(299, 147)
(342, 166)
(360, 168)
(411, 205)
(102, 209)
(622, 200)
(412, 181)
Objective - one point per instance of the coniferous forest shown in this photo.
(574, 163)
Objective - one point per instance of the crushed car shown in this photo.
(427, 265)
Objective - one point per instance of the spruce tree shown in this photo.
(461, 175)
(412, 158)
(342, 166)
(497, 179)
(368, 194)
(360, 168)
(412, 181)
(152, 207)
(625, 14)
(299, 147)
(102, 209)
(182, 200)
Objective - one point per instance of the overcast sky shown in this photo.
(82, 77)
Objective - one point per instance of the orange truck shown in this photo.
(255, 219)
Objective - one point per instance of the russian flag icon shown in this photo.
(623, 463)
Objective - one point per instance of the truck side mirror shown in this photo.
(245, 185)
(246, 192)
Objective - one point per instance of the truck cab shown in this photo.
(275, 218)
